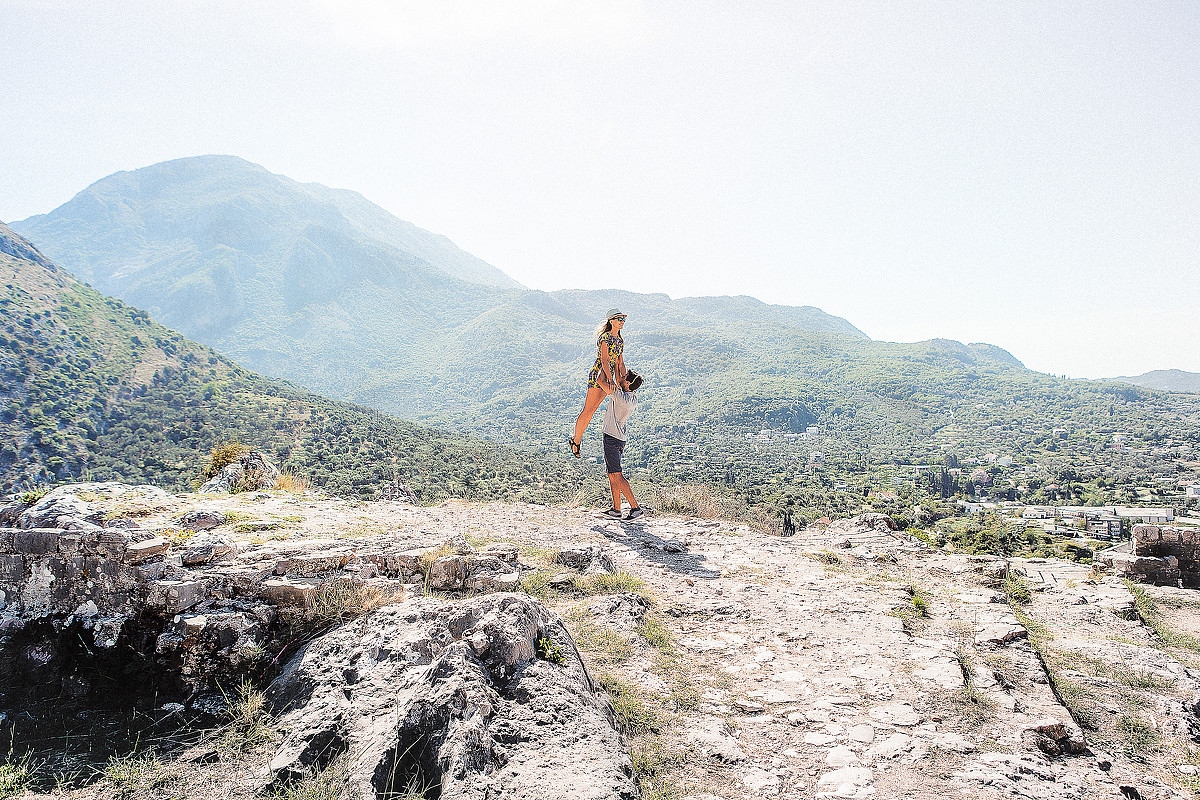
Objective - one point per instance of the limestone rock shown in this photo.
(1055, 737)
(201, 520)
(712, 738)
(205, 547)
(251, 472)
(901, 714)
(588, 559)
(433, 693)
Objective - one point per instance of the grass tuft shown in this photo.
(610, 583)
(15, 776)
(292, 483)
(547, 650)
(1017, 590)
(346, 598)
(33, 495)
(1147, 609)
(136, 775)
(1136, 736)
(635, 716)
(249, 723)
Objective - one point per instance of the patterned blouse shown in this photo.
(615, 346)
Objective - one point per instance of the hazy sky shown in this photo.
(1021, 173)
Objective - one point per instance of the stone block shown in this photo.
(310, 566)
(12, 569)
(112, 543)
(36, 541)
(502, 550)
(449, 572)
(411, 562)
(201, 520)
(1171, 536)
(70, 544)
(147, 549)
(1146, 533)
(285, 591)
(175, 596)
(206, 547)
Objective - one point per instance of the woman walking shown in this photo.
(610, 363)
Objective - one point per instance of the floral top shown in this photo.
(615, 346)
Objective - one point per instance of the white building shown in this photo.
(1151, 515)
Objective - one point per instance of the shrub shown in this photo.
(222, 456)
(549, 651)
(33, 495)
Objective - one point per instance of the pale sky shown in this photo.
(1020, 173)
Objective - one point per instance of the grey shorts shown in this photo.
(613, 448)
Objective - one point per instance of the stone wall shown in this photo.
(1166, 554)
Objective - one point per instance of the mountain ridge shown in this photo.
(1167, 380)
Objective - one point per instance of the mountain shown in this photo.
(1167, 380)
(303, 289)
(320, 287)
(91, 387)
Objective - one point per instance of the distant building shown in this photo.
(1038, 512)
(1192, 491)
(1005, 461)
(1151, 515)
(816, 458)
(1104, 526)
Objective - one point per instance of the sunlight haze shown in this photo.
(1023, 174)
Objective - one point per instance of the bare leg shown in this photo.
(620, 486)
(595, 396)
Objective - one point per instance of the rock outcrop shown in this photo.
(249, 472)
(485, 698)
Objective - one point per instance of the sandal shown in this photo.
(574, 447)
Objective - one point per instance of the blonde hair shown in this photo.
(602, 329)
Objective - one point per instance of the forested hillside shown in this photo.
(298, 282)
(92, 388)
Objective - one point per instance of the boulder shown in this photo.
(1055, 737)
(588, 559)
(430, 693)
(250, 472)
(206, 547)
(201, 520)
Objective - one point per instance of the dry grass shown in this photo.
(292, 483)
(249, 723)
(346, 598)
(600, 643)
(15, 775)
(136, 775)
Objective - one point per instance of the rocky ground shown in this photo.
(845, 661)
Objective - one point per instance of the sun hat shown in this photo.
(614, 312)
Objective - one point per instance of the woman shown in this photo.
(610, 362)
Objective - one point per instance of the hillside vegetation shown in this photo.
(298, 282)
(90, 387)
